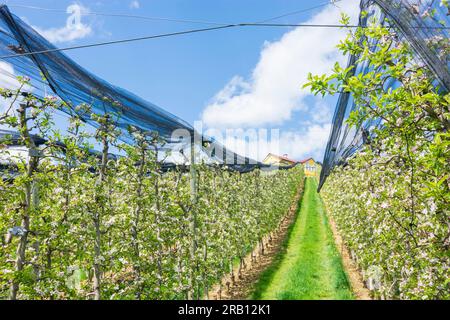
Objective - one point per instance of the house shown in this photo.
(311, 167)
(282, 161)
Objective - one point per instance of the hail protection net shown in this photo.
(24, 52)
(424, 25)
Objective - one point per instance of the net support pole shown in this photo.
(193, 221)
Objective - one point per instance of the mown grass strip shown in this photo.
(309, 267)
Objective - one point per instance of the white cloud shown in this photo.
(7, 81)
(135, 4)
(301, 145)
(321, 112)
(73, 30)
(297, 145)
(274, 91)
(7, 76)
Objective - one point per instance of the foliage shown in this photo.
(95, 227)
(392, 199)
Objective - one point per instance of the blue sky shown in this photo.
(236, 78)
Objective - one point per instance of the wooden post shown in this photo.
(193, 220)
(99, 213)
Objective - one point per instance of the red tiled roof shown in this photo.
(306, 160)
(283, 158)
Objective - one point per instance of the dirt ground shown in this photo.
(355, 278)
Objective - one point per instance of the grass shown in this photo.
(309, 267)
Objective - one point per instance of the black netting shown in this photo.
(424, 25)
(55, 73)
(12, 138)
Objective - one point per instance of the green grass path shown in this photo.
(309, 266)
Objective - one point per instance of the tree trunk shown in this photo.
(32, 165)
(97, 221)
(135, 227)
(193, 223)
